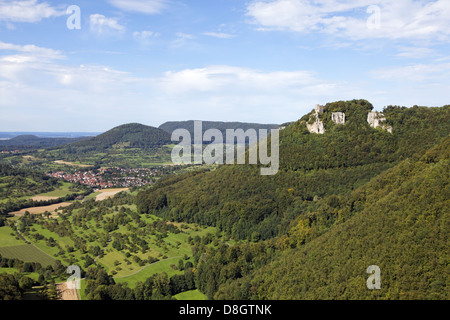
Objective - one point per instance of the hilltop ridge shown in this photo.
(33, 141)
(131, 135)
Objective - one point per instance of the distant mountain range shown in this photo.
(33, 141)
(132, 135)
(11, 135)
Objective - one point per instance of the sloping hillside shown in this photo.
(400, 222)
(250, 206)
(353, 197)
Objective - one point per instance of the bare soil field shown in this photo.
(37, 210)
(72, 164)
(108, 193)
(43, 198)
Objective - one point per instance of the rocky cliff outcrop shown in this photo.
(377, 120)
(338, 117)
(316, 125)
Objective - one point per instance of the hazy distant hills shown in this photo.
(10, 135)
(132, 135)
(33, 141)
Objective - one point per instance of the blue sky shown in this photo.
(266, 61)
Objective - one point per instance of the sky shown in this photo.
(88, 66)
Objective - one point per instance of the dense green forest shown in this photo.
(171, 126)
(246, 205)
(398, 221)
(327, 187)
(342, 201)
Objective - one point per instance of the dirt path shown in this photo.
(107, 244)
(72, 164)
(65, 292)
(43, 198)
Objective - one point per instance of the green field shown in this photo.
(120, 157)
(8, 238)
(147, 272)
(59, 192)
(150, 245)
(173, 245)
(27, 253)
(165, 242)
(190, 295)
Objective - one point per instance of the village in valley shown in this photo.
(110, 177)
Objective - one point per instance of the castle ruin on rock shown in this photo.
(315, 125)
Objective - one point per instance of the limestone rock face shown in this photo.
(377, 119)
(316, 127)
(338, 117)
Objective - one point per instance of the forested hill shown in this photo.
(309, 212)
(249, 206)
(221, 126)
(399, 221)
(133, 135)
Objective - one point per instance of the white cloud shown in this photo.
(145, 34)
(183, 35)
(399, 19)
(245, 94)
(101, 24)
(146, 37)
(38, 87)
(64, 94)
(415, 52)
(141, 6)
(182, 39)
(27, 11)
(220, 35)
(32, 50)
(416, 73)
(223, 78)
